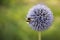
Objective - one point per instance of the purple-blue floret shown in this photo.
(41, 17)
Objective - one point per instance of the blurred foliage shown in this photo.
(13, 25)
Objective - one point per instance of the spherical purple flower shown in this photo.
(39, 17)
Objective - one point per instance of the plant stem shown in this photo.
(39, 35)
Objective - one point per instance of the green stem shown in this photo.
(39, 35)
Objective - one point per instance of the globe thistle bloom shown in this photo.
(39, 17)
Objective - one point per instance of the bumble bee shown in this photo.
(28, 19)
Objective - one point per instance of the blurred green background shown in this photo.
(13, 24)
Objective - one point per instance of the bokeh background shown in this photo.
(13, 24)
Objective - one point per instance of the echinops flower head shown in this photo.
(39, 17)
